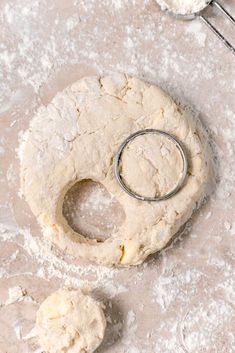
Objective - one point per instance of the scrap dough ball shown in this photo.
(76, 137)
(70, 321)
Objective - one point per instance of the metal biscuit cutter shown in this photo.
(117, 166)
(200, 15)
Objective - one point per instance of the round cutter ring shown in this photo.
(118, 160)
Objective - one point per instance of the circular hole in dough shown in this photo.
(90, 210)
(151, 165)
(70, 321)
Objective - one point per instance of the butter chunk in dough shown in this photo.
(76, 137)
(70, 321)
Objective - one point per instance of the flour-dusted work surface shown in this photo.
(182, 299)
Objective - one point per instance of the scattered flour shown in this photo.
(2, 150)
(181, 285)
(56, 267)
(202, 326)
(15, 294)
(227, 225)
(208, 215)
(17, 329)
(195, 29)
(130, 318)
(168, 287)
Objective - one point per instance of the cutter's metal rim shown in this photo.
(118, 156)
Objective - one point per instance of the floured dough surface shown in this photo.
(70, 321)
(151, 165)
(76, 137)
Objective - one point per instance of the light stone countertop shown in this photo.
(181, 300)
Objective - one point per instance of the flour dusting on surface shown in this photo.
(183, 299)
(15, 294)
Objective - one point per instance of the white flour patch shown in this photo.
(17, 328)
(203, 324)
(11, 175)
(199, 34)
(130, 318)
(208, 215)
(15, 294)
(8, 225)
(97, 200)
(2, 150)
(168, 287)
(130, 334)
(227, 225)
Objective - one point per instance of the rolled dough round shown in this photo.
(70, 321)
(76, 137)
